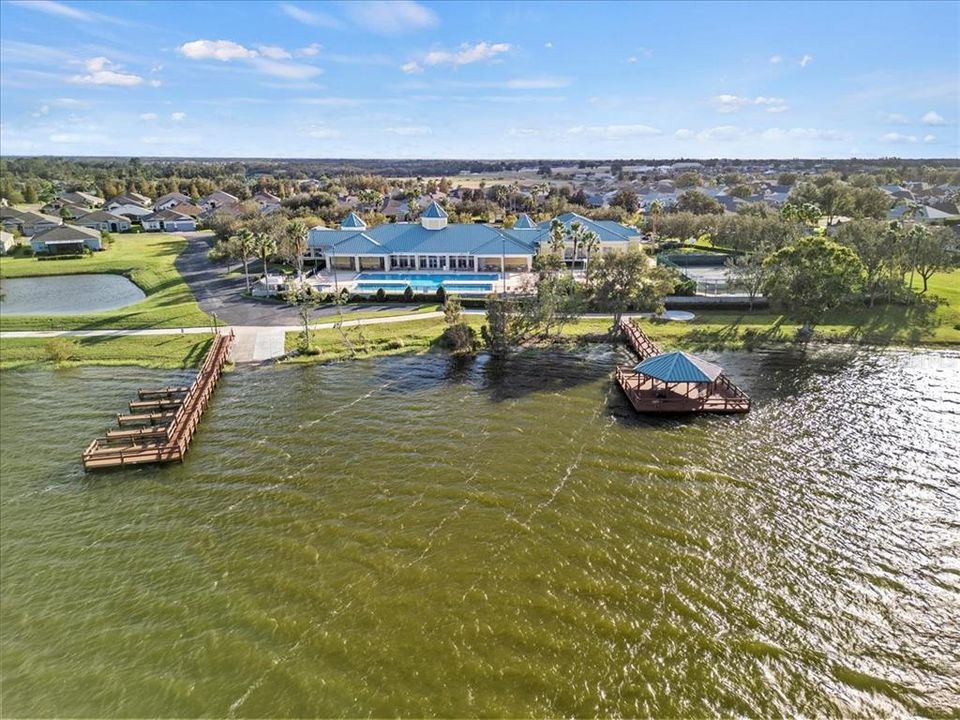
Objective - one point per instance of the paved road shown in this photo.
(219, 293)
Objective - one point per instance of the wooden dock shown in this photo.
(649, 396)
(162, 421)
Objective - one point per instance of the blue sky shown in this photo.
(480, 80)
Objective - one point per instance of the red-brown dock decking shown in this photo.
(651, 396)
(161, 421)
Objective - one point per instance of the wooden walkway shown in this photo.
(720, 396)
(161, 422)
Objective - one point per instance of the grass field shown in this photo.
(882, 325)
(147, 260)
(157, 351)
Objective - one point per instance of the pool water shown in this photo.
(426, 282)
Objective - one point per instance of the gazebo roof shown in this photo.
(679, 367)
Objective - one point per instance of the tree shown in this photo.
(246, 245)
(748, 272)
(811, 277)
(930, 250)
(266, 246)
(872, 241)
(627, 199)
(655, 211)
(29, 194)
(740, 191)
(627, 280)
(688, 179)
(591, 244)
(294, 244)
(786, 178)
(506, 327)
(458, 336)
(304, 298)
(699, 203)
(806, 212)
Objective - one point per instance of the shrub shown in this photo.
(408, 294)
(395, 344)
(381, 295)
(459, 339)
(441, 294)
(61, 349)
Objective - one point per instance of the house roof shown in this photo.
(35, 217)
(524, 223)
(100, 216)
(167, 215)
(434, 211)
(413, 238)
(353, 221)
(178, 196)
(608, 230)
(67, 233)
(679, 367)
(187, 209)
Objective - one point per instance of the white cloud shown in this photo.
(776, 59)
(273, 52)
(150, 116)
(632, 59)
(77, 138)
(723, 133)
(309, 51)
(467, 54)
(896, 119)
(929, 139)
(933, 118)
(323, 133)
(99, 72)
(155, 83)
(222, 50)
(522, 132)
(178, 116)
(55, 8)
(805, 60)
(534, 83)
(331, 101)
(733, 103)
(409, 130)
(308, 17)
(289, 71)
(614, 132)
(899, 138)
(41, 111)
(391, 17)
(684, 134)
(411, 67)
(801, 134)
(548, 44)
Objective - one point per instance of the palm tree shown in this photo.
(655, 211)
(266, 246)
(558, 238)
(246, 244)
(591, 243)
(577, 232)
(297, 234)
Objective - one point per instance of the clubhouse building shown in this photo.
(434, 245)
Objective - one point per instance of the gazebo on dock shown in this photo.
(681, 382)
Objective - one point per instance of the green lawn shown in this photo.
(159, 351)
(147, 260)
(711, 329)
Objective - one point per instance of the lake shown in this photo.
(418, 536)
(67, 294)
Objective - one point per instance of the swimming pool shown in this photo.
(472, 283)
(428, 278)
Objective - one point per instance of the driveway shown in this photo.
(222, 294)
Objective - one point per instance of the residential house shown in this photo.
(7, 242)
(83, 199)
(11, 219)
(917, 213)
(165, 202)
(188, 209)
(267, 201)
(32, 223)
(169, 221)
(397, 210)
(128, 210)
(217, 200)
(64, 210)
(66, 239)
(104, 221)
(132, 198)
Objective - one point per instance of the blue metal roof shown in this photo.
(434, 211)
(679, 367)
(524, 223)
(608, 230)
(353, 221)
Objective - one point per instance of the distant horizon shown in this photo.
(488, 80)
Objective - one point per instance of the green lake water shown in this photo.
(410, 536)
